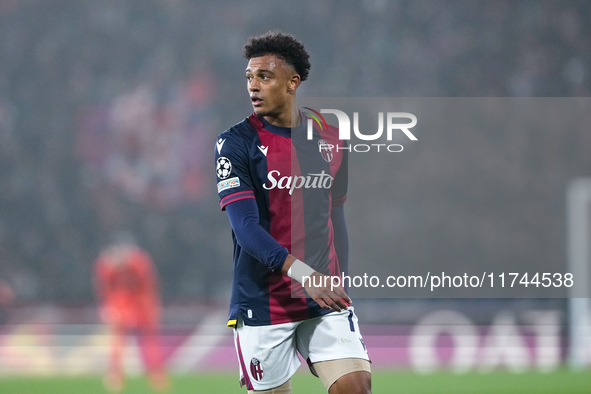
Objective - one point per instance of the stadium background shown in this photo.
(108, 116)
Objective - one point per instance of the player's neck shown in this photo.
(291, 118)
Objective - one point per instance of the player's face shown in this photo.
(271, 84)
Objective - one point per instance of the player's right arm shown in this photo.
(236, 192)
(252, 237)
(256, 241)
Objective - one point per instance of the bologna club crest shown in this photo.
(325, 150)
(256, 369)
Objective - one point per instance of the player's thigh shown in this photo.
(267, 354)
(345, 375)
(331, 337)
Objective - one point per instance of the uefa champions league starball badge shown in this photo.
(223, 167)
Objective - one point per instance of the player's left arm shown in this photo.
(341, 237)
(337, 216)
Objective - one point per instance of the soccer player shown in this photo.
(284, 195)
(127, 288)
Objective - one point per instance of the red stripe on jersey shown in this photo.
(282, 307)
(235, 197)
(298, 229)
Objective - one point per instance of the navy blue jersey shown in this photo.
(295, 182)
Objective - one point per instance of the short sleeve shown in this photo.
(233, 177)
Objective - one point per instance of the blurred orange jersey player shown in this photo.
(127, 288)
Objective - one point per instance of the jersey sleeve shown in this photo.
(341, 181)
(231, 166)
(244, 218)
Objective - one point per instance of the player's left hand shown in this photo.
(326, 295)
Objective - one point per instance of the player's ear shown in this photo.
(293, 82)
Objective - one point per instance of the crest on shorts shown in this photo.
(256, 369)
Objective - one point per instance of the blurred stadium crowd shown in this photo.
(109, 111)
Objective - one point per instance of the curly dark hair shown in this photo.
(282, 45)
